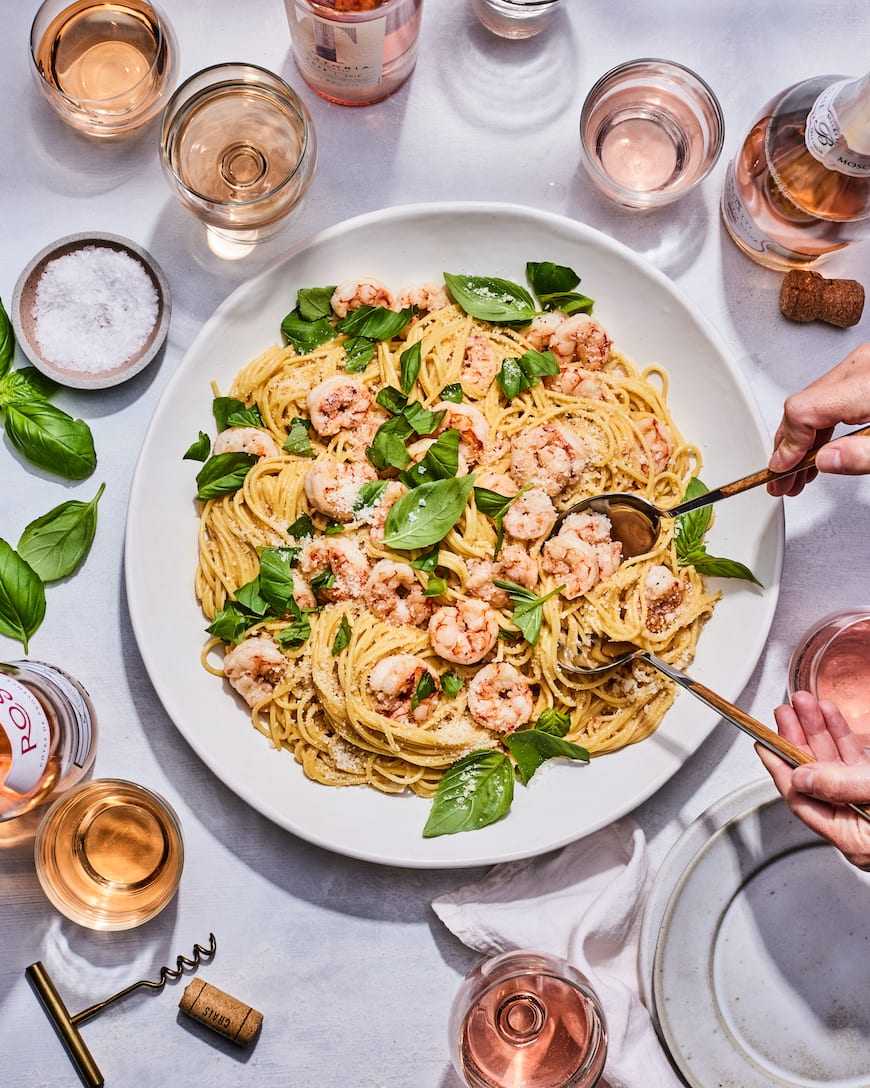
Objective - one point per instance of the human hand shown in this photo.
(818, 793)
(809, 417)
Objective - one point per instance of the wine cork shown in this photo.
(807, 296)
(221, 1012)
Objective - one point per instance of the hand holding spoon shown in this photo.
(636, 522)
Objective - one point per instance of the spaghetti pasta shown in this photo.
(391, 660)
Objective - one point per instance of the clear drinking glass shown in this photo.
(650, 131)
(527, 1020)
(516, 18)
(238, 146)
(354, 52)
(104, 66)
(832, 662)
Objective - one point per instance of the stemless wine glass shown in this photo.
(832, 662)
(238, 146)
(103, 68)
(527, 1019)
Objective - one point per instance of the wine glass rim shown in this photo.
(164, 39)
(283, 87)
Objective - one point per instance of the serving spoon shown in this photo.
(764, 736)
(636, 522)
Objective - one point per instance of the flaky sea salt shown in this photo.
(93, 309)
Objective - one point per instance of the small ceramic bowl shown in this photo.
(78, 370)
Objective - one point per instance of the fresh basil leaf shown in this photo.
(229, 412)
(532, 747)
(477, 790)
(690, 528)
(388, 445)
(314, 303)
(435, 587)
(451, 684)
(304, 335)
(376, 322)
(554, 721)
(718, 568)
(22, 597)
(569, 304)
(370, 495)
(519, 374)
(7, 341)
(410, 362)
(251, 598)
(427, 561)
(453, 392)
(26, 384)
(527, 615)
(392, 399)
(55, 544)
(298, 441)
(440, 461)
(342, 636)
(333, 528)
(492, 299)
(322, 582)
(425, 515)
(297, 632)
(421, 420)
(51, 439)
(276, 578)
(198, 450)
(494, 504)
(358, 353)
(231, 623)
(302, 527)
(425, 687)
(548, 278)
(223, 473)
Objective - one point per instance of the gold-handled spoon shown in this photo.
(636, 522)
(764, 736)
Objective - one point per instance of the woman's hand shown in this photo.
(809, 417)
(816, 792)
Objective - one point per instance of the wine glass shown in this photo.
(527, 1019)
(238, 146)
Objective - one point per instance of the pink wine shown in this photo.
(532, 1029)
(833, 662)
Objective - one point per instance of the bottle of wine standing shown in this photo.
(799, 188)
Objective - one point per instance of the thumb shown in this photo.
(834, 781)
(848, 456)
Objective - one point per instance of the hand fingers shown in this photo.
(789, 725)
(791, 485)
(834, 782)
(814, 723)
(849, 745)
(845, 456)
(793, 439)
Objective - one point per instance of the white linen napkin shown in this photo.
(584, 904)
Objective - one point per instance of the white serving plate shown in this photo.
(651, 322)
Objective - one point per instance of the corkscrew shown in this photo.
(67, 1025)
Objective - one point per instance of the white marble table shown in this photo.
(352, 969)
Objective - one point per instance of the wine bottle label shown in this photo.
(82, 726)
(737, 217)
(26, 726)
(825, 140)
(337, 53)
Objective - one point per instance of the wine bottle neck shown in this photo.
(838, 127)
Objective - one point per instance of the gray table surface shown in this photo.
(354, 972)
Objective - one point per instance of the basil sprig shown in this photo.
(689, 534)
(7, 342)
(306, 335)
(554, 285)
(528, 610)
(198, 450)
(376, 322)
(230, 412)
(223, 473)
(342, 638)
(475, 791)
(440, 461)
(492, 299)
(410, 362)
(370, 495)
(425, 687)
(55, 544)
(495, 506)
(313, 303)
(453, 392)
(519, 374)
(408, 417)
(22, 597)
(451, 684)
(268, 595)
(298, 440)
(532, 747)
(427, 513)
(358, 353)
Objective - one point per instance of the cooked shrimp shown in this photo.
(343, 558)
(479, 362)
(332, 487)
(514, 564)
(351, 294)
(596, 529)
(375, 517)
(572, 561)
(338, 403)
(657, 439)
(540, 332)
(471, 424)
(246, 440)
(663, 593)
(362, 435)
(499, 482)
(393, 681)
(464, 633)
(425, 296)
(499, 698)
(551, 456)
(582, 338)
(573, 381)
(530, 516)
(255, 668)
(302, 594)
(393, 592)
